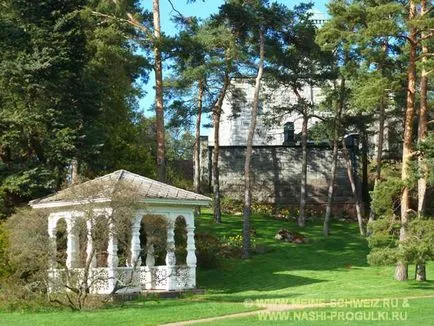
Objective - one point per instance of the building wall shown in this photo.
(234, 126)
(276, 173)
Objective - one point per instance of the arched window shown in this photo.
(100, 240)
(288, 133)
(153, 231)
(61, 243)
(180, 240)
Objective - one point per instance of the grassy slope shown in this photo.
(331, 268)
(326, 268)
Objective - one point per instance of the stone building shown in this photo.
(277, 153)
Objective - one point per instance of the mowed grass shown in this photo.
(411, 312)
(326, 268)
(134, 313)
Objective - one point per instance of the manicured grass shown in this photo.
(412, 312)
(139, 313)
(326, 268)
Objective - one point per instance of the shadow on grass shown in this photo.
(426, 285)
(343, 250)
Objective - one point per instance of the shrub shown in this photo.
(263, 208)
(231, 206)
(232, 246)
(16, 296)
(208, 249)
(386, 248)
(236, 241)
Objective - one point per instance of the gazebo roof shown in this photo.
(104, 188)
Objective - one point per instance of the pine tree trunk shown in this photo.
(196, 152)
(216, 151)
(159, 110)
(378, 159)
(401, 273)
(423, 127)
(422, 133)
(249, 150)
(353, 188)
(365, 163)
(303, 181)
(301, 219)
(215, 167)
(331, 185)
(420, 272)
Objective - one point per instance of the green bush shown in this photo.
(263, 208)
(232, 246)
(385, 197)
(16, 296)
(231, 206)
(387, 250)
(208, 249)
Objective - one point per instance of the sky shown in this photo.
(201, 9)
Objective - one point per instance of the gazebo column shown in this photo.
(191, 255)
(72, 247)
(170, 256)
(150, 263)
(150, 258)
(53, 251)
(90, 254)
(135, 242)
(52, 241)
(112, 259)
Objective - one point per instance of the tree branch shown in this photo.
(131, 21)
(175, 10)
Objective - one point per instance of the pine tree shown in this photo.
(219, 41)
(59, 94)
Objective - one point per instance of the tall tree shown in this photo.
(334, 37)
(422, 134)
(401, 272)
(159, 109)
(216, 116)
(297, 62)
(190, 82)
(149, 35)
(404, 23)
(55, 94)
(338, 104)
(224, 54)
(423, 116)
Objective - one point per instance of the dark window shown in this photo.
(288, 133)
(260, 107)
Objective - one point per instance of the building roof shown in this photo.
(107, 187)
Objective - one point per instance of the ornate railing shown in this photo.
(104, 280)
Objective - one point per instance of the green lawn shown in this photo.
(414, 312)
(326, 269)
(135, 313)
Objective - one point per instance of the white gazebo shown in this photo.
(152, 199)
